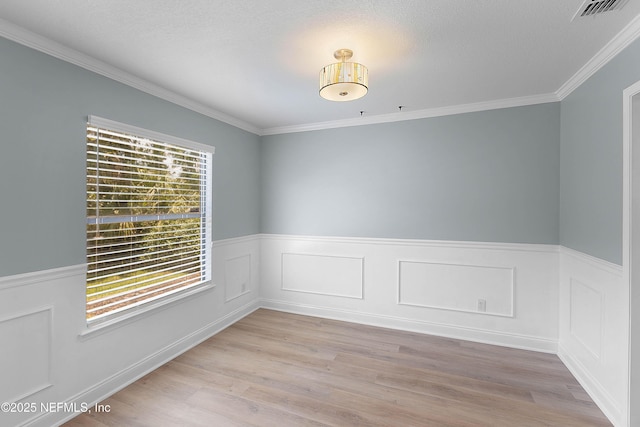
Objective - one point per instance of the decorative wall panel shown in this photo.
(586, 321)
(460, 287)
(237, 273)
(321, 274)
(25, 355)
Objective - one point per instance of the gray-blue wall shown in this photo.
(591, 159)
(549, 173)
(44, 104)
(488, 176)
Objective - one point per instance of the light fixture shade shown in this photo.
(344, 81)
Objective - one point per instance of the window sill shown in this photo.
(92, 330)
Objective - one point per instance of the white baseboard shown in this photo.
(594, 322)
(450, 331)
(592, 386)
(120, 380)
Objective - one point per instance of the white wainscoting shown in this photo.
(45, 360)
(503, 294)
(594, 329)
(586, 316)
(542, 296)
(33, 354)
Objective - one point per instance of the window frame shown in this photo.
(135, 310)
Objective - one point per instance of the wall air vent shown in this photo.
(596, 7)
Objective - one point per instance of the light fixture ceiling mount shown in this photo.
(344, 81)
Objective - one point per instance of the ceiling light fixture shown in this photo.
(344, 81)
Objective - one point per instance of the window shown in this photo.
(148, 217)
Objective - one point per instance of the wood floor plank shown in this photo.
(279, 369)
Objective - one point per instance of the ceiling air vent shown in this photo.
(596, 7)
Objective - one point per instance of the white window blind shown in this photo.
(148, 216)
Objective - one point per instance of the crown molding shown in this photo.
(417, 114)
(27, 38)
(618, 43)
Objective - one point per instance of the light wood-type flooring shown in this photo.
(278, 369)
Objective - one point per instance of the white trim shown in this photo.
(607, 266)
(36, 277)
(527, 247)
(620, 41)
(592, 386)
(418, 114)
(136, 312)
(42, 44)
(524, 342)
(627, 194)
(235, 240)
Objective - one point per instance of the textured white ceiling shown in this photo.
(258, 60)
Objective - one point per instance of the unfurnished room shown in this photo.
(320, 213)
